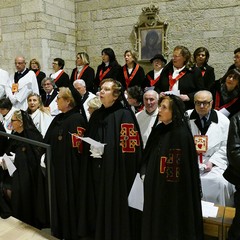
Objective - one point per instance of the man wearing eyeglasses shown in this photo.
(20, 84)
(210, 131)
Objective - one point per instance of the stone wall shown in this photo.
(42, 29)
(59, 28)
(210, 23)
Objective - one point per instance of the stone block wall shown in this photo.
(42, 29)
(46, 29)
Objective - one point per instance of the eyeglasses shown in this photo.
(204, 104)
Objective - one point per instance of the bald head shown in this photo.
(20, 63)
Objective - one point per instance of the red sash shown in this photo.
(203, 72)
(172, 80)
(217, 102)
(37, 72)
(152, 81)
(81, 73)
(129, 79)
(59, 75)
(103, 74)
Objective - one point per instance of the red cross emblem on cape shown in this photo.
(171, 165)
(129, 138)
(76, 141)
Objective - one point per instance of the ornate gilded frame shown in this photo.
(150, 34)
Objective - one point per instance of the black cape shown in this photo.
(172, 196)
(106, 182)
(65, 166)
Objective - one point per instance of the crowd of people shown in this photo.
(166, 130)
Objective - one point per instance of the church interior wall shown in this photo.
(45, 29)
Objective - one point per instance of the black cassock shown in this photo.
(106, 181)
(65, 166)
(172, 192)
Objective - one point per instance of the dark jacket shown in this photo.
(232, 173)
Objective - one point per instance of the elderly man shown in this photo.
(20, 84)
(210, 131)
(80, 86)
(147, 117)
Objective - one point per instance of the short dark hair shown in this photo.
(136, 92)
(5, 103)
(60, 61)
(237, 50)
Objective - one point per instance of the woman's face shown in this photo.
(231, 83)
(34, 66)
(178, 59)
(17, 125)
(128, 58)
(62, 103)
(79, 61)
(201, 58)
(106, 94)
(105, 57)
(164, 112)
(33, 103)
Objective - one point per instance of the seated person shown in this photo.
(226, 93)
(210, 131)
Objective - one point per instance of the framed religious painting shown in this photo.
(150, 35)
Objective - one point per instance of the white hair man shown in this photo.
(80, 86)
(147, 117)
(20, 84)
(210, 131)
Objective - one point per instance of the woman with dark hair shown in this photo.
(66, 150)
(135, 98)
(108, 172)
(35, 66)
(226, 93)
(201, 57)
(109, 68)
(179, 76)
(24, 190)
(83, 71)
(171, 178)
(131, 74)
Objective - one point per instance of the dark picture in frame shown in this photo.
(150, 42)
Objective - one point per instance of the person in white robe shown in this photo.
(40, 116)
(80, 86)
(148, 116)
(4, 76)
(210, 131)
(20, 84)
(6, 112)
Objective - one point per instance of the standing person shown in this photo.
(210, 128)
(152, 77)
(131, 74)
(171, 178)
(25, 191)
(49, 98)
(236, 63)
(226, 93)
(178, 75)
(232, 173)
(20, 84)
(65, 164)
(107, 176)
(148, 116)
(201, 57)
(4, 78)
(35, 66)
(109, 68)
(61, 78)
(83, 71)
(40, 116)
